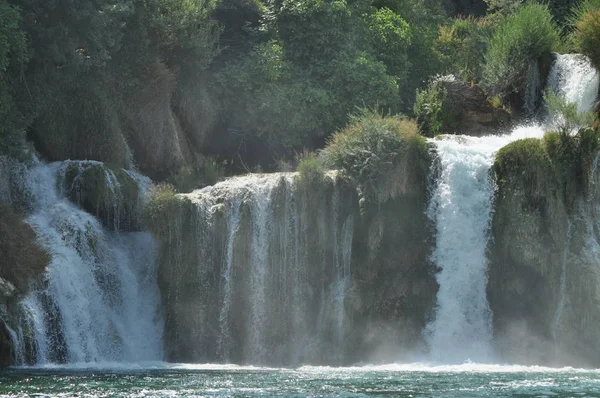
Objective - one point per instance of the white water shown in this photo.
(98, 300)
(573, 78)
(286, 291)
(562, 293)
(461, 207)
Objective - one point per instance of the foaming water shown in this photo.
(574, 78)
(461, 208)
(208, 380)
(98, 299)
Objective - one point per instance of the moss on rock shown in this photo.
(542, 240)
(111, 194)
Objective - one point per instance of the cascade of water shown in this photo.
(461, 207)
(284, 266)
(224, 312)
(574, 78)
(563, 284)
(98, 300)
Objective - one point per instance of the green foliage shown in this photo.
(463, 44)
(522, 37)
(184, 31)
(204, 171)
(283, 109)
(537, 166)
(13, 57)
(315, 31)
(371, 146)
(391, 38)
(161, 209)
(565, 116)
(586, 30)
(504, 7)
(82, 122)
(22, 259)
(310, 168)
(435, 115)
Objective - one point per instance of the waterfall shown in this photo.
(461, 208)
(563, 284)
(98, 300)
(282, 267)
(574, 78)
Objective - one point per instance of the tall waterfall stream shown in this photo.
(461, 209)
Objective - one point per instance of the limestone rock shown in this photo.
(472, 112)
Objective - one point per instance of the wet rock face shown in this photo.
(544, 278)
(473, 112)
(268, 269)
(114, 195)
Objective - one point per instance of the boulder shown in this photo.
(472, 112)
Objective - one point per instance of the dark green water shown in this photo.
(231, 381)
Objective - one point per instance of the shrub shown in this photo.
(204, 171)
(371, 147)
(463, 44)
(566, 118)
(586, 32)
(22, 259)
(538, 166)
(310, 169)
(523, 36)
(161, 209)
(434, 114)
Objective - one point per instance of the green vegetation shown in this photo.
(566, 117)
(524, 36)
(563, 158)
(22, 259)
(463, 45)
(162, 209)
(162, 83)
(372, 148)
(204, 171)
(434, 114)
(311, 170)
(586, 29)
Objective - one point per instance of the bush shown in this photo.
(586, 32)
(22, 259)
(463, 45)
(565, 116)
(524, 36)
(434, 114)
(538, 166)
(162, 209)
(204, 171)
(371, 147)
(310, 169)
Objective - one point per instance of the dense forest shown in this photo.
(189, 90)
